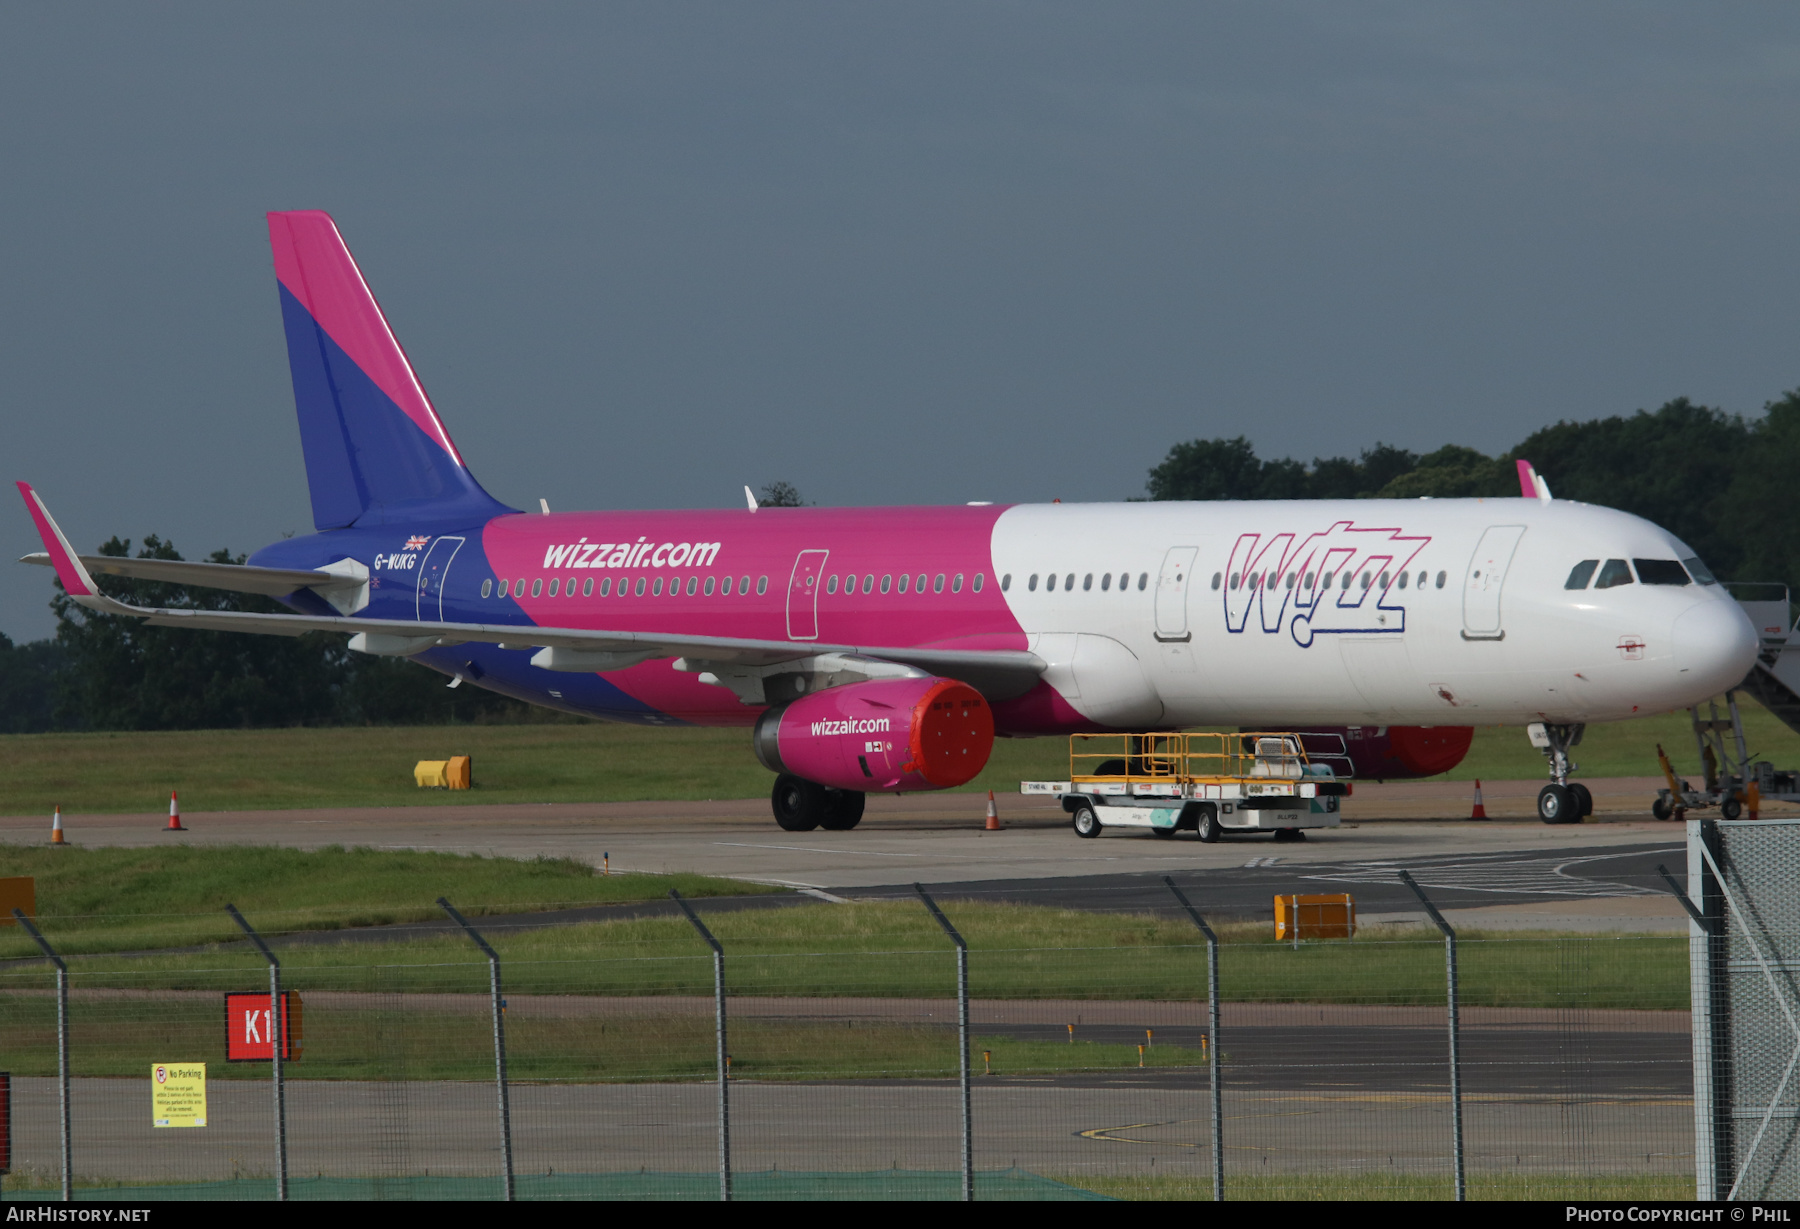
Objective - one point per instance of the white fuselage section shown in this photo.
(1407, 612)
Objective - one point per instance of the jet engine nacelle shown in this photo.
(1389, 752)
(885, 735)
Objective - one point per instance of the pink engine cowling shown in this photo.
(886, 735)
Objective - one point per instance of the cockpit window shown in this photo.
(1614, 573)
(1661, 572)
(1581, 574)
(1700, 572)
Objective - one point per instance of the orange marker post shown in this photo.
(1480, 811)
(174, 815)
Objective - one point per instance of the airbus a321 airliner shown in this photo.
(883, 649)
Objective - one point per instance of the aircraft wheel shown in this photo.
(1662, 808)
(1584, 797)
(1731, 808)
(843, 809)
(1085, 822)
(1557, 805)
(799, 804)
(1208, 824)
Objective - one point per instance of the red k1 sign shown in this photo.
(249, 1036)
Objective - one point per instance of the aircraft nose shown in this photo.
(1715, 646)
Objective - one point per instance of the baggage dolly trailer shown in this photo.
(1208, 784)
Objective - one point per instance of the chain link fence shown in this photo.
(860, 1051)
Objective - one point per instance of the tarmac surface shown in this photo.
(1508, 872)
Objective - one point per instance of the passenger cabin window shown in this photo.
(537, 587)
(884, 582)
(1441, 578)
(1143, 580)
(1032, 583)
(1660, 572)
(487, 587)
(1581, 573)
(905, 581)
(956, 583)
(1403, 578)
(587, 587)
(1087, 582)
(980, 577)
(762, 584)
(831, 583)
(709, 586)
(1006, 583)
(1700, 572)
(1614, 573)
(1050, 583)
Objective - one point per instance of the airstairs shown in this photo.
(1732, 781)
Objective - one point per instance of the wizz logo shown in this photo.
(1343, 580)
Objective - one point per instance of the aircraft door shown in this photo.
(1481, 587)
(803, 595)
(1171, 594)
(429, 604)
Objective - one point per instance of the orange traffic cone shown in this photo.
(174, 815)
(56, 832)
(1480, 811)
(993, 816)
(1753, 801)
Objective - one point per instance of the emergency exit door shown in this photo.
(1171, 593)
(803, 595)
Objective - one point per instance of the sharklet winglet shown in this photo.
(69, 568)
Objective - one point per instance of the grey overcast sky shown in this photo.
(644, 254)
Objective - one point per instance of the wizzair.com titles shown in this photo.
(641, 553)
(853, 725)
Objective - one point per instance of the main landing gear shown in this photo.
(801, 805)
(1562, 801)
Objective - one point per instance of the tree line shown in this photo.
(1712, 478)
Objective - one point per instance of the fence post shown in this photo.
(1456, 1124)
(962, 1037)
(62, 1050)
(1212, 1037)
(277, 1037)
(499, 1010)
(719, 1020)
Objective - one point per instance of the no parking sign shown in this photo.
(178, 1095)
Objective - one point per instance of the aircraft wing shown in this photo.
(1004, 672)
(271, 582)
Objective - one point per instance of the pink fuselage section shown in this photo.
(802, 575)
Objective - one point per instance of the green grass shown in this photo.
(382, 1039)
(1626, 748)
(1379, 1186)
(275, 769)
(110, 899)
(1017, 951)
(593, 761)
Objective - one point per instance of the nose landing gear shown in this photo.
(1562, 801)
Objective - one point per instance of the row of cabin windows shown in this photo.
(905, 582)
(1268, 580)
(1615, 572)
(1068, 582)
(695, 584)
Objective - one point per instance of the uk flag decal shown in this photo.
(417, 542)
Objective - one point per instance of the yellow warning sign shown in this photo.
(178, 1095)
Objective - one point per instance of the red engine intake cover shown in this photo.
(886, 735)
(1389, 752)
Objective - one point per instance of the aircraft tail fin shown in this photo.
(376, 451)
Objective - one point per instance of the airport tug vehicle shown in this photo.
(1210, 784)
